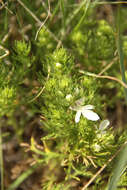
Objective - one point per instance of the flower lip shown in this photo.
(86, 111)
(89, 107)
(90, 115)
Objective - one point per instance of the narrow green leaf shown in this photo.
(87, 4)
(119, 47)
(121, 165)
(1, 163)
(22, 177)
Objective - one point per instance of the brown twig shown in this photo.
(37, 20)
(43, 23)
(4, 5)
(113, 78)
(111, 3)
(41, 89)
(6, 52)
(104, 77)
(108, 66)
(103, 167)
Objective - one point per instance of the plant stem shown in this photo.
(1, 162)
(23, 176)
(119, 47)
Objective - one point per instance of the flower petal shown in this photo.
(90, 115)
(77, 116)
(88, 107)
(104, 124)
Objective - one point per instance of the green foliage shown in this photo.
(7, 98)
(60, 63)
(99, 33)
(44, 41)
(22, 49)
(119, 170)
(48, 102)
(5, 74)
(105, 41)
(21, 61)
(55, 186)
(78, 141)
(125, 46)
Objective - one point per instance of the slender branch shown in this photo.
(38, 21)
(42, 88)
(6, 52)
(103, 167)
(111, 3)
(104, 77)
(4, 5)
(43, 23)
(108, 66)
(1, 162)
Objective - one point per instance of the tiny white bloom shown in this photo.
(86, 111)
(97, 147)
(68, 97)
(58, 64)
(103, 125)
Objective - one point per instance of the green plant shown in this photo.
(61, 94)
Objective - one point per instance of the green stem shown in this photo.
(1, 162)
(23, 176)
(120, 49)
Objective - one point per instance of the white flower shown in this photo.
(97, 147)
(68, 97)
(86, 111)
(58, 65)
(103, 125)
